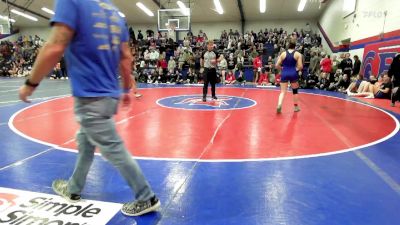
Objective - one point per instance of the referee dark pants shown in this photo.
(210, 75)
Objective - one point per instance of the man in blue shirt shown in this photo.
(95, 41)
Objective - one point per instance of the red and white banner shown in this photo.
(379, 56)
(23, 207)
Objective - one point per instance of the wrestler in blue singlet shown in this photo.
(289, 72)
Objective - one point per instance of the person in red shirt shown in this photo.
(257, 64)
(326, 67)
(162, 63)
(230, 78)
(263, 77)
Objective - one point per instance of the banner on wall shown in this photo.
(379, 56)
(24, 207)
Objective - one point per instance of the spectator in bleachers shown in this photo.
(231, 63)
(222, 66)
(163, 64)
(171, 64)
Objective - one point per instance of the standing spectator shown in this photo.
(326, 65)
(394, 74)
(257, 65)
(335, 64)
(63, 67)
(314, 64)
(140, 35)
(222, 66)
(347, 65)
(357, 65)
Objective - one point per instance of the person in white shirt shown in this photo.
(222, 65)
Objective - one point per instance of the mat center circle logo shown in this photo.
(195, 102)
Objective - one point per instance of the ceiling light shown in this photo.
(121, 14)
(263, 6)
(24, 15)
(145, 9)
(302, 4)
(185, 11)
(49, 11)
(7, 19)
(218, 6)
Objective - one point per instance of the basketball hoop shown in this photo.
(171, 31)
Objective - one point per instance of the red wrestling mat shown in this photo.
(325, 125)
(382, 103)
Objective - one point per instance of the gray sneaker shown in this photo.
(60, 187)
(137, 208)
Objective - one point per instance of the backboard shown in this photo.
(173, 19)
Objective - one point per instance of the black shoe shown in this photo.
(204, 99)
(137, 208)
(214, 97)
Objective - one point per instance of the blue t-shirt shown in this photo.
(93, 55)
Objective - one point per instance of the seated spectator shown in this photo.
(311, 81)
(341, 85)
(263, 80)
(241, 79)
(57, 73)
(191, 77)
(380, 89)
(230, 77)
(357, 86)
(323, 82)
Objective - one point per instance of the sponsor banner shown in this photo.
(24, 207)
(379, 56)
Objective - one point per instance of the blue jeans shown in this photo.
(95, 115)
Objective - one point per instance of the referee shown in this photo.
(209, 63)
